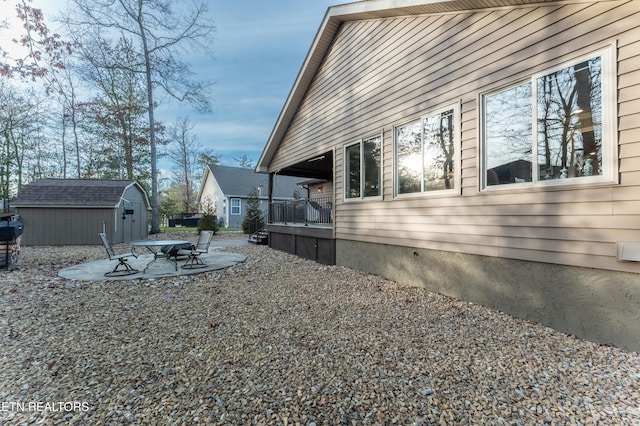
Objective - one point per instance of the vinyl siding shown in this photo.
(59, 226)
(212, 194)
(381, 73)
(135, 226)
(71, 225)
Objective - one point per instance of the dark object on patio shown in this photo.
(201, 247)
(173, 251)
(121, 258)
(10, 232)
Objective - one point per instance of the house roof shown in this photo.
(77, 193)
(238, 181)
(362, 10)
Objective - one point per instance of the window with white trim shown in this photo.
(426, 153)
(363, 169)
(235, 206)
(556, 128)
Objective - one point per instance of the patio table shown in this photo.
(155, 247)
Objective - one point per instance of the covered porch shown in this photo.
(304, 226)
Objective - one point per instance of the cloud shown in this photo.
(233, 135)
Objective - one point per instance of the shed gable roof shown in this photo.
(362, 10)
(73, 193)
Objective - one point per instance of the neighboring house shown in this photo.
(226, 189)
(74, 211)
(486, 150)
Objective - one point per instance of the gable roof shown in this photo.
(238, 181)
(366, 9)
(87, 193)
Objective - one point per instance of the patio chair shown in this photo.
(121, 258)
(201, 247)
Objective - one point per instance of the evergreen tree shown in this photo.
(253, 220)
(209, 219)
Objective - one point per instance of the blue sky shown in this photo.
(259, 48)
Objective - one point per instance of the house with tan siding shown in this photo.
(488, 150)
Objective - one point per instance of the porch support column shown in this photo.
(269, 213)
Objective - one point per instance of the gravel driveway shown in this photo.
(281, 340)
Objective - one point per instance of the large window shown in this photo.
(426, 153)
(235, 206)
(554, 128)
(363, 171)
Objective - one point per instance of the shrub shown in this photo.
(209, 219)
(253, 219)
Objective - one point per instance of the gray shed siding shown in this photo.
(74, 225)
(63, 226)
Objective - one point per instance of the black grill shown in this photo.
(10, 230)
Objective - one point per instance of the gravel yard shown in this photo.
(281, 340)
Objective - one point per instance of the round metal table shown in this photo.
(155, 247)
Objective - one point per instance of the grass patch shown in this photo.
(164, 229)
(179, 229)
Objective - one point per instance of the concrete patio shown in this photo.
(215, 259)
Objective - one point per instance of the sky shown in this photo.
(259, 48)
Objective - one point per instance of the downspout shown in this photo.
(334, 196)
(270, 189)
(115, 222)
(227, 210)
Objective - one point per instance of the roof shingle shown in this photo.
(237, 182)
(72, 193)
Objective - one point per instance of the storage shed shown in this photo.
(73, 211)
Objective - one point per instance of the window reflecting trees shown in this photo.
(425, 154)
(566, 107)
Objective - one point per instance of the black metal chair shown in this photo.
(201, 247)
(121, 258)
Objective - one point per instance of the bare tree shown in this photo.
(161, 33)
(43, 56)
(121, 105)
(18, 117)
(67, 89)
(184, 152)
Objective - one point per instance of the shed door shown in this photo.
(132, 223)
